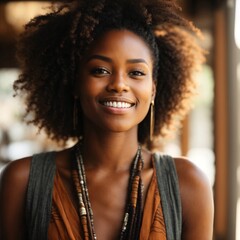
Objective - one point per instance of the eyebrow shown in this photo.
(137, 60)
(100, 57)
(107, 59)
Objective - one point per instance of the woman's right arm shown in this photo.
(13, 189)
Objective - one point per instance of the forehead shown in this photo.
(124, 43)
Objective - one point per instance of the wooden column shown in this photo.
(220, 123)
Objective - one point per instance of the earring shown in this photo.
(152, 121)
(75, 114)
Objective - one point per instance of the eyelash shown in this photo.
(137, 73)
(99, 71)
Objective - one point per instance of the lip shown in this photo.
(117, 99)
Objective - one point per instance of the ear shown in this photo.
(154, 88)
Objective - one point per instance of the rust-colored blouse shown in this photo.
(65, 222)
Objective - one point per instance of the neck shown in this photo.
(113, 151)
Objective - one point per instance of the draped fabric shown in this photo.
(65, 223)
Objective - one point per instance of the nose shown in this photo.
(117, 83)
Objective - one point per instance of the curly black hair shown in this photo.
(52, 45)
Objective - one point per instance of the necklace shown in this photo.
(133, 210)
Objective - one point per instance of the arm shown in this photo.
(197, 202)
(13, 188)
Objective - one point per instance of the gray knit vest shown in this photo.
(40, 186)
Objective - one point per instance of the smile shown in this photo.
(115, 104)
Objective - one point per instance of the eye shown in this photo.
(99, 71)
(137, 73)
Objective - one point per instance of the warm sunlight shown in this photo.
(19, 13)
(237, 24)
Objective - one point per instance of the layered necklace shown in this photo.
(134, 203)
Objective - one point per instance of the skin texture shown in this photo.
(111, 72)
(118, 66)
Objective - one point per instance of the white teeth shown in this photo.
(117, 104)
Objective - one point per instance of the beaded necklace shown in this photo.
(133, 211)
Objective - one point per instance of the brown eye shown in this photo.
(137, 73)
(99, 71)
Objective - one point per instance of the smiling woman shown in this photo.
(117, 72)
(113, 75)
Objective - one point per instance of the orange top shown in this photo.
(65, 222)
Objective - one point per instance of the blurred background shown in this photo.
(210, 136)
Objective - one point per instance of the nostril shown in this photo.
(117, 86)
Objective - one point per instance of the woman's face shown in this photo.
(115, 82)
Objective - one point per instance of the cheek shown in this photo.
(89, 90)
(85, 91)
(89, 87)
(145, 93)
(145, 99)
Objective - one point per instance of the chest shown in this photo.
(107, 195)
(65, 224)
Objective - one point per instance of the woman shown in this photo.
(97, 71)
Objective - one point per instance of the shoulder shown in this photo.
(191, 178)
(13, 188)
(197, 200)
(14, 178)
(16, 172)
(189, 174)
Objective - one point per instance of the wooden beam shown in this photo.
(220, 123)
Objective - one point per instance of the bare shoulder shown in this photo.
(14, 180)
(13, 188)
(16, 172)
(189, 174)
(197, 201)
